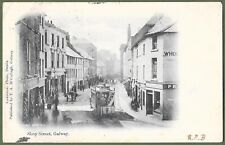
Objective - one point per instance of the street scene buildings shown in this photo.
(64, 79)
(149, 67)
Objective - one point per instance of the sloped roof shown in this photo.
(161, 25)
(71, 52)
(55, 27)
(173, 28)
(72, 47)
(158, 23)
(84, 54)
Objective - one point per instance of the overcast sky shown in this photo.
(105, 24)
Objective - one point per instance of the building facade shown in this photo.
(154, 68)
(54, 40)
(74, 71)
(31, 69)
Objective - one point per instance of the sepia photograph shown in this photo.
(112, 72)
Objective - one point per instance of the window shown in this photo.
(39, 68)
(143, 72)
(52, 39)
(57, 41)
(156, 101)
(62, 42)
(46, 37)
(143, 49)
(62, 61)
(137, 53)
(42, 67)
(154, 42)
(154, 68)
(42, 42)
(143, 98)
(28, 56)
(76, 73)
(42, 21)
(57, 60)
(46, 59)
(52, 56)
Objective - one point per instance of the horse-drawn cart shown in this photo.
(104, 99)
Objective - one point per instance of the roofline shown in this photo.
(152, 34)
(33, 30)
(57, 28)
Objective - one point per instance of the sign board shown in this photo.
(169, 86)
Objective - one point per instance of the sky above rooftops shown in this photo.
(105, 25)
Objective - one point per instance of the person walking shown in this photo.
(56, 102)
(90, 101)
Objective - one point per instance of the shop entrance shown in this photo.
(149, 103)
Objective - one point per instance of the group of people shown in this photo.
(53, 99)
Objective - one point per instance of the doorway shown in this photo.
(149, 103)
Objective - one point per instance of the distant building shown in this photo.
(91, 51)
(74, 69)
(88, 73)
(122, 58)
(101, 69)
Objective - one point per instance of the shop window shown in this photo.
(154, 42)
(154, 68)
(157, 101)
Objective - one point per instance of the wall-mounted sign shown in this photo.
(169, 53)
(169, 86)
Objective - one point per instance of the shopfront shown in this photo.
(160, 100)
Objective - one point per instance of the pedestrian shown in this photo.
(42, 104)
(66, 97)
(90, 101)
(56, 102)
(83, 87)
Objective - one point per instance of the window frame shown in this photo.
(154, 68)
(154, 42)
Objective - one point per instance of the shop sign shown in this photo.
(169, 53)
(169, 86)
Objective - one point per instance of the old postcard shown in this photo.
(112, 72)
